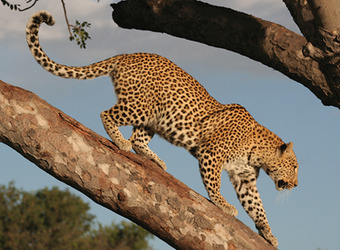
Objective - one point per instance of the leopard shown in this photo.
(155, 96)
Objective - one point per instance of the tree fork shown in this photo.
(260, 40)
(319, 22)
(120, 181)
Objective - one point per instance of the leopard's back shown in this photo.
(163, 97)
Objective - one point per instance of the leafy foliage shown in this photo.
(55, 219)
(10, 5)
(18, 6)
(80, 34)
(123, 236)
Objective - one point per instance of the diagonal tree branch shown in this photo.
(121, 181)
(260, 40)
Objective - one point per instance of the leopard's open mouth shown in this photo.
(281, 184)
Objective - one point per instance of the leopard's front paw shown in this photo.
(222, 204)
(161, 164)
(269, 237)
(124, 145)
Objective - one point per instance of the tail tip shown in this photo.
(42, 16)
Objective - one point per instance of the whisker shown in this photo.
(282, 197)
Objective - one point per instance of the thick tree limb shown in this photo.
(263, 41)
(121, 181)
(319, 22)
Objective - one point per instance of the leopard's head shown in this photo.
(282, 167)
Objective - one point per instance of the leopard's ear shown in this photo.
(290, 145)
(284, 148)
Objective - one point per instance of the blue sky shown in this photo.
(305, 218)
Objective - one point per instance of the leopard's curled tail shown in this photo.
(101, 68)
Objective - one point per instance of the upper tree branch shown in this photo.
(319, 22)
(263, 41)
(121, 181)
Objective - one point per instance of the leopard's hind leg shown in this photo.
(112, 119)
(140, 139)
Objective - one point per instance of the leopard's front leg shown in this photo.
(210, 169)
(245, 187)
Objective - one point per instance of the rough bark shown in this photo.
(263, 41)
(319, 22)
(120, 181)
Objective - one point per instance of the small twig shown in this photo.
(66, 19)
(29, 6)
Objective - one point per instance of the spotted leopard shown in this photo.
(156, 96)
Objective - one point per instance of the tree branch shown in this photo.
(260, 40)
(319, 22)
(121, 181)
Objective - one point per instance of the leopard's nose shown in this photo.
(295, 182)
